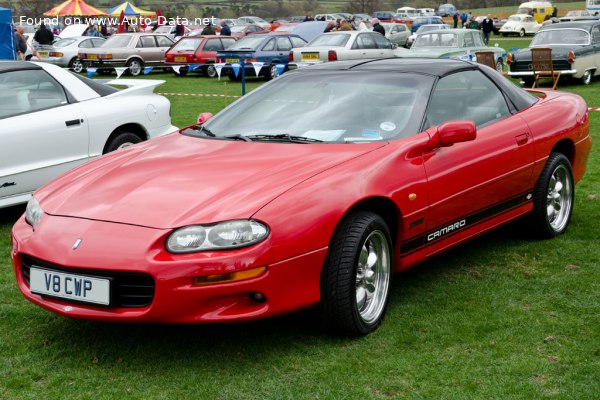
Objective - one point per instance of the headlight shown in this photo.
(33, 213)
(221, 236)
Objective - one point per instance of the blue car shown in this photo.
(427, 20)
(271, 49)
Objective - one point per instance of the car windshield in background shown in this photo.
(326, 107)
(64, 42)
(338, 39)
(436, 40)
(247, 43)
(561, 36)
(187, 45)
(117, 41)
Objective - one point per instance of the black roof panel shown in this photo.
(6, 66)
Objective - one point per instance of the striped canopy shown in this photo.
(74, 8)
(129, 10)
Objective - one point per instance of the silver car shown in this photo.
(396, 33)
(64, 52)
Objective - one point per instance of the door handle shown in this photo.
(522, 139)
(73, 122)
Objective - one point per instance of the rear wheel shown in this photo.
(211, 71)
(122, 140)
(76, 65)
(135, 66)
(272, 73)
(356, 277)
(553, 198)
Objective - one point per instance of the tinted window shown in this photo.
(284, 44)
(364, 41)
(212, 45)
(297, 42)
(270, 46)
(86, 44)
(381, 42)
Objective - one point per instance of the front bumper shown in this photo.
(286, 286)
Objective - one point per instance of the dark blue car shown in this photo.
(271, 49)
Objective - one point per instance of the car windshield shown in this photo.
(117, 41)
(187, 45)
(247, 43)
(561, 36)
(335, 39)
(64, 42)
(440, 39)
(326, 106)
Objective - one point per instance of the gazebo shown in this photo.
(129, 10)
(74, 8)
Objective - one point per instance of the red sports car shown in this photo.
(310, 191)
(201, 49)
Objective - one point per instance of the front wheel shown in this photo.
(122, 140)
(356, 277)
(553, 198)
(522, 33)
(586, 79)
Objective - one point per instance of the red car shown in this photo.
(309, 191)
(239, 31)
(197, 50)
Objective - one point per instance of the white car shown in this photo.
(52, 120)
(520, 24)
(255, 21)
(343, 45)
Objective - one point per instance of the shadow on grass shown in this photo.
(10, 215)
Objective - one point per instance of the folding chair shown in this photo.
(487, 58)
(541, 63)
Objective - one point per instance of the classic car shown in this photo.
(423, 29)
(53, 120)
(269, 49)
(380, 165)
(429, 20)
(343, 45)
(131, 50)
(396, 33)
(197, 50)
(577, 15)
(64, 52)
(521, 25)
(575, 51)
(447, 10)
(451, 43)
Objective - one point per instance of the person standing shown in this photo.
(377, 26)
(487, 26)
(43, 35)
(455, 19)
(225, 30)
(208, 30)
(20, 43)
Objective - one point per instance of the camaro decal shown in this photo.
(459, 225)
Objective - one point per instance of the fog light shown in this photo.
(258, 297)
(229, 277)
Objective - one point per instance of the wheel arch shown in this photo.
(133, 128)
(385, 208)
(567, 148)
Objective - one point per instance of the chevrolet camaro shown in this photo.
(311, 191)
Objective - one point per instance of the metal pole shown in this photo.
(243, 62)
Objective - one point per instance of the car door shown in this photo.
(384, 46)
(268, 52)
(596, 48)
(471, 182)
(42, 135)
(364, 47)
(284, 46)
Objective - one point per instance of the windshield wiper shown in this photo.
(285, 137)
(195, 129)
(237, 136)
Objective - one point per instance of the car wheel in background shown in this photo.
(586, 79)
(121, 140)
(135, 66)
(553, 198)
(356, 277)
(273, 73)
(211, 71)
(522, 32)
(499, 65)
(76, 65)
(183, 71)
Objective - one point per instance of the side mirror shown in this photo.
(453, 132)
(203, 117)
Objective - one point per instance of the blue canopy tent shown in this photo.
(7, 35)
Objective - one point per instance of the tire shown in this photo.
(183, 71)
(357, 275)
(234, 78)
(522, 33)
(211, 71)
(586, 79)
(76, 65)
(136, 66)
(553, 198)
(122, 140)
(499, 65)
(272, 73)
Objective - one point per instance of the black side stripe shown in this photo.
(460, 224)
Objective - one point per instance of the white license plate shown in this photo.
(69, 286)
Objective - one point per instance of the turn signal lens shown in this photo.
(571, 57)
(509, 58)
(230, 277)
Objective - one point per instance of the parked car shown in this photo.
(575, 53)
(53, 120)
(197, 50)
(417, 22)
(577, 15)
(306, 30)
(384, 16)
(447, 10)
(64, 52)
(169, 30)
(422, 29)
(343, 45)
(239, 31)
(521, 25)
(451, 43)
(310, 191)
(131, 50)
(498, 24)
(270, 49)
(327, 17)
(255, 21)
(396, 33)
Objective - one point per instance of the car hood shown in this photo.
(178, 180)
(73, 31)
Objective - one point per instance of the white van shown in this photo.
(409, 11)
(593, 6)
(429, 11)
(538, 9)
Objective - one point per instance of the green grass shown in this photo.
(501, 317)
